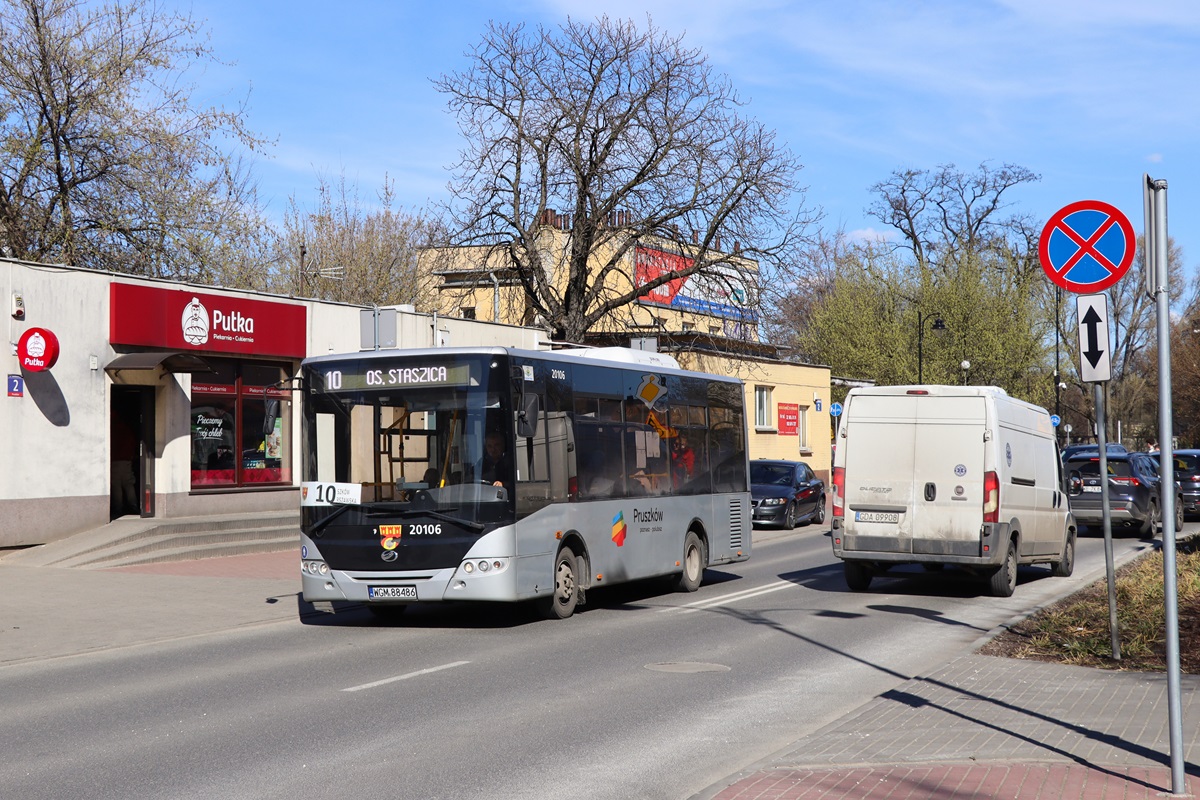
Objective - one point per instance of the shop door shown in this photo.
(131, 427)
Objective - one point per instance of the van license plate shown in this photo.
(392, 592)
(876, 516)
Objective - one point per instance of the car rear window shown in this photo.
(1090, 467)
(1187, 463)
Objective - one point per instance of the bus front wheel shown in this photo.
(565, 597)
(693, 564)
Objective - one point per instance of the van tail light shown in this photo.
(839, 491)
(991, 497)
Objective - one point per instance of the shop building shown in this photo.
(131, 396)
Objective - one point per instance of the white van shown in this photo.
(936, 475)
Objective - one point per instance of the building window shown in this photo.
(468, 312)
(802, 429)
(762, 407)
(688, 327)
(241, 425)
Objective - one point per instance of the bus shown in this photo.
(500, 474)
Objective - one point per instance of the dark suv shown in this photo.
(1133, 491)
(1187, 475)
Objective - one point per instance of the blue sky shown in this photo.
(1090, 94)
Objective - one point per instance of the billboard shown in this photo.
(722, 291)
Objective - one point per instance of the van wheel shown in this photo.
(1064, 568)
(693, 564)
(1003, 582)
(561, 604)
(858, 576)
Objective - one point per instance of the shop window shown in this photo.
(241, 425)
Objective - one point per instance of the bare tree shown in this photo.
(635, 139)
(105, 162)
(353, 252)
(947, 215)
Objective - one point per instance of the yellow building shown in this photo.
(706, 321)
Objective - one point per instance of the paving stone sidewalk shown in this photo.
(986, 727)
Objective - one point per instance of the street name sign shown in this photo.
(1095, 357)
(1087, 246)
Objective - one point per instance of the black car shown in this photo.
(1133, 491)
(786, 492)
(1187, 475)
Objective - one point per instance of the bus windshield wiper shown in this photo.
(320, 524)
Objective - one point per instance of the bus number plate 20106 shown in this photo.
(392, 592)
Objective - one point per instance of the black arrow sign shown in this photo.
(1092, 321)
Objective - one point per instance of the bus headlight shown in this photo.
(485, 565)
(314, 567)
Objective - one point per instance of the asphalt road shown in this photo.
(643, 694)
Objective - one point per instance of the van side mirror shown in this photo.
(527, 416)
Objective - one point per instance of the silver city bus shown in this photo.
(499, 474)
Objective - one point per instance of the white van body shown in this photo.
(935, 475)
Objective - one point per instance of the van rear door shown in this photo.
(879, 448)
(949, 466)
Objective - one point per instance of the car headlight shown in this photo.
(774, 501)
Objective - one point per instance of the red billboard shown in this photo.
(789, 418)
(184, 319)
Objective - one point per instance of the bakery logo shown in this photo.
(231, 326)
(195, 322)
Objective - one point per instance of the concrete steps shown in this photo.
(132, 540)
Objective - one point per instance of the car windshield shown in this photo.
(777, 474)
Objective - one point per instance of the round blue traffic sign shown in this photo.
(1055, 419)
(835, 409)
(1087, 246)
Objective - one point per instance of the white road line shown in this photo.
(725, 599)
(373, 684)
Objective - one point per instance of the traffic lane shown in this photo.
(623, 683)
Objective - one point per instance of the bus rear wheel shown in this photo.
(565, 597)
(693, 564)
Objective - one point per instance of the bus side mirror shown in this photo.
(270, 414)
(527, 416)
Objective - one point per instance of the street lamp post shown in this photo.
(938, 325)
(966, 368)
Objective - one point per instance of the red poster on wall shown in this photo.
(185, 319)
(789, 418)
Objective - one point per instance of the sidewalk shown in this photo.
(986, 727)
(66, 611)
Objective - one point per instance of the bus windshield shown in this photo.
(427, 441)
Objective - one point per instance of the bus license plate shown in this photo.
(876, 516)
(392, 592)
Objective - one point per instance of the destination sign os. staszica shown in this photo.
(415, 376)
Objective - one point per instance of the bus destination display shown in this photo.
(384, 377)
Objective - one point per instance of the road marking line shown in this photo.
(373, 684)
(746, 594)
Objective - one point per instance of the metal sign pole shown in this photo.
(1155, 194)
(1106, 517)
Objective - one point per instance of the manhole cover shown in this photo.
(687, 666)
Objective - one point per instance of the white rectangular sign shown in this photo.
(1095, 356)
(314, 493)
